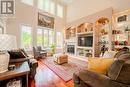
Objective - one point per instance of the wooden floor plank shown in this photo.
(47, 78)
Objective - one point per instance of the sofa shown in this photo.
(118, 74)
(39, 53)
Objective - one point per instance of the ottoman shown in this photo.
(60, 58)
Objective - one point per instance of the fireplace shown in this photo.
(71, 49)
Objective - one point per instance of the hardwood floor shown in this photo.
(47, 78)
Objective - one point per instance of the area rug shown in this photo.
(65, 71)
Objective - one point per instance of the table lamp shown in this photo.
(7, 42)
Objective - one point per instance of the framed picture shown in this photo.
(122, 18)
(45, 21)
(1, 30)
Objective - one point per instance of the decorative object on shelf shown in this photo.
(103, 28)
(127, 28)
(45, 21)
(7, 42)
(85, 27)
(14, 83)
(70, 32)
(122, 18)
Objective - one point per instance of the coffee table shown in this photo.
(21, 70)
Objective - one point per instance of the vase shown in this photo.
(4, 61)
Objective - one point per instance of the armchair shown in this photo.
(39, 53)
(117, 76)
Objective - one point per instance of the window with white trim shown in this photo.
(59, 39)
(51, 38)
(26, 37)
(45, 37)
(1, 29)
(60, 11)
(28, 2)
(47, 5)
(39, 37)
(52, 7)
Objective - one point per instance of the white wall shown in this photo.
(28, 15)
(82, 8)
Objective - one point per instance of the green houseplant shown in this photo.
(53, 47)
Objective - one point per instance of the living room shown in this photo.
(64, 43)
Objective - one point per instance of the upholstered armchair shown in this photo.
(118, 75)
(39, 53)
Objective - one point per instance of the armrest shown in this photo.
(97, 80)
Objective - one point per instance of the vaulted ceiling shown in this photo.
(80, 8)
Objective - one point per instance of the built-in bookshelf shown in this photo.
(102, 35)
(82, 31)
(121, 30)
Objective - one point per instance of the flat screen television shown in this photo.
(85, 41)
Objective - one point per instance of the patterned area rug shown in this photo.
(65, 71)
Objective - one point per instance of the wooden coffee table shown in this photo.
(21, 70)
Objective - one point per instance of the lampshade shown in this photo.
(7, 42)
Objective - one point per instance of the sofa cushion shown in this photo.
(120, 69)
(99, 65)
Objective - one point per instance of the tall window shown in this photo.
(45, 40)
(45, 37)
(51, 38)
(60, 11)
(39, 37)
(41, 4)
(26, 37)
(52, 7)
(1, 29)
(29, 2)
(59, 39)
(47, 5)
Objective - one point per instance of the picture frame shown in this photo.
(45, 21)
(122, 18)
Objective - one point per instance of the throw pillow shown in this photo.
(99, 65)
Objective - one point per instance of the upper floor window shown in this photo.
(26, 37)
(60, 11)
(29, 2)
(52, 7)
(47, 5)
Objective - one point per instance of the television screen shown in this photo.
(89, 41)
(86, 41)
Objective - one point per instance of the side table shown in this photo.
(21, 70)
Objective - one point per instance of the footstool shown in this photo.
(60, 58)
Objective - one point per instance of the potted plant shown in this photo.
(126, 28)
(53, 47)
